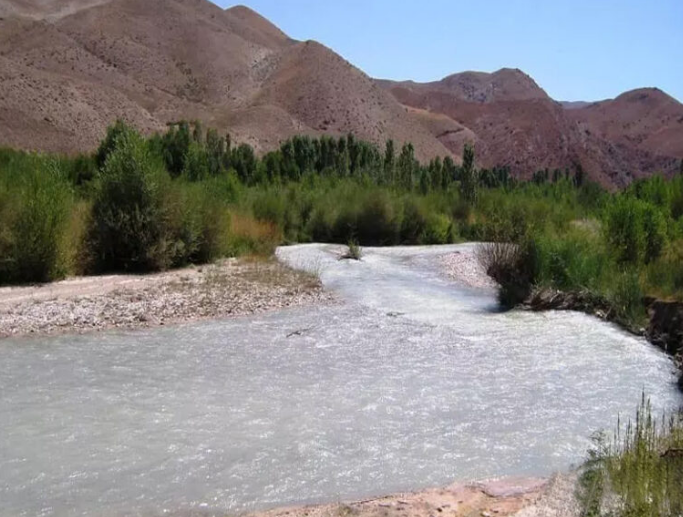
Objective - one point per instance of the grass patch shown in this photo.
(638, 471)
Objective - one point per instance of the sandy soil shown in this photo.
(526, 497)
(229, 288)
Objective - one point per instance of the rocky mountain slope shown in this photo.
(513, 122)
(69, 68)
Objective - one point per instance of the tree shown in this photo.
(436, 173)
(127, 231)
(468, 176)
(579, 176)
(176, 143)
(448, 175)
(215, 149)
(425, 182)
(389, 162)
(406, 165)
(110, 141)
(197, 164)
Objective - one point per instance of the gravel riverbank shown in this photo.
(229, 288)
(463, 267)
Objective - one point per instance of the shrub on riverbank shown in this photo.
(35, 206)
(638, 471)
(190, 196)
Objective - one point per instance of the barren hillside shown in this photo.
(514, 122)
(71, 67)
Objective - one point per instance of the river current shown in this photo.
(410, 380)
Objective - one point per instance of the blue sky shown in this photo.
(575, 50)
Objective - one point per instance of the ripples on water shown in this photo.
(411, 381)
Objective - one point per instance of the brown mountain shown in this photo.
(647, 119)
(513, 122)
(68, 68)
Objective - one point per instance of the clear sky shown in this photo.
(574, 49)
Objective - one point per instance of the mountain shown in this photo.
(513, 122)
(69, 68)
(647, 119)
(573, 105)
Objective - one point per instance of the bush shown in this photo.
(376, 223)
(35, 210)
(438, 230)
(635, 230)
(513, 266)
(639, 469)
(574, 262)
(413, 223)
(129, 229)
(626, 297)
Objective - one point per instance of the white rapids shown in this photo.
(410, 381)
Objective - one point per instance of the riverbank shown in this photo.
(233, 287)
(523, 497)
(665, 319)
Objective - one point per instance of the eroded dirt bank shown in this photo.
(229, 288)
(527, 497)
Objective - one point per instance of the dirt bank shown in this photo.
(497, 498)
(229, 288)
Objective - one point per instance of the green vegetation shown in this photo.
(616, 247)
(354, 251)
(636, 472)
(190, 196)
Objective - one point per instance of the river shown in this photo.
(410, 380)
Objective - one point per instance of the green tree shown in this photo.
(468, 176)
(215, 149)
(110, 140)
(197, 164)
(389, 162)
(128, 232)
(407, 166)
(436, 173)
(448, 175)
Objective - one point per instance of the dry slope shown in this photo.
(514, 122)
(68, 69)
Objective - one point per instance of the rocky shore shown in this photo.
(229, 288)
(464, 268)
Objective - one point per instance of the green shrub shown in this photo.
(626, 296)
(639, 469)
(129, 224)
(414, 222)
(635, 230)
(376, 223)
(35, 211)
(574, 262)
(438, 230)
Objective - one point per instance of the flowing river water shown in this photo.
(410, 381)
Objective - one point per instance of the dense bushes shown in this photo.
(190, 196)
(35, 206)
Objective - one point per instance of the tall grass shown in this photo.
(638, 471)
(35, 204)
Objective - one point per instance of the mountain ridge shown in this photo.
(70, 67)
